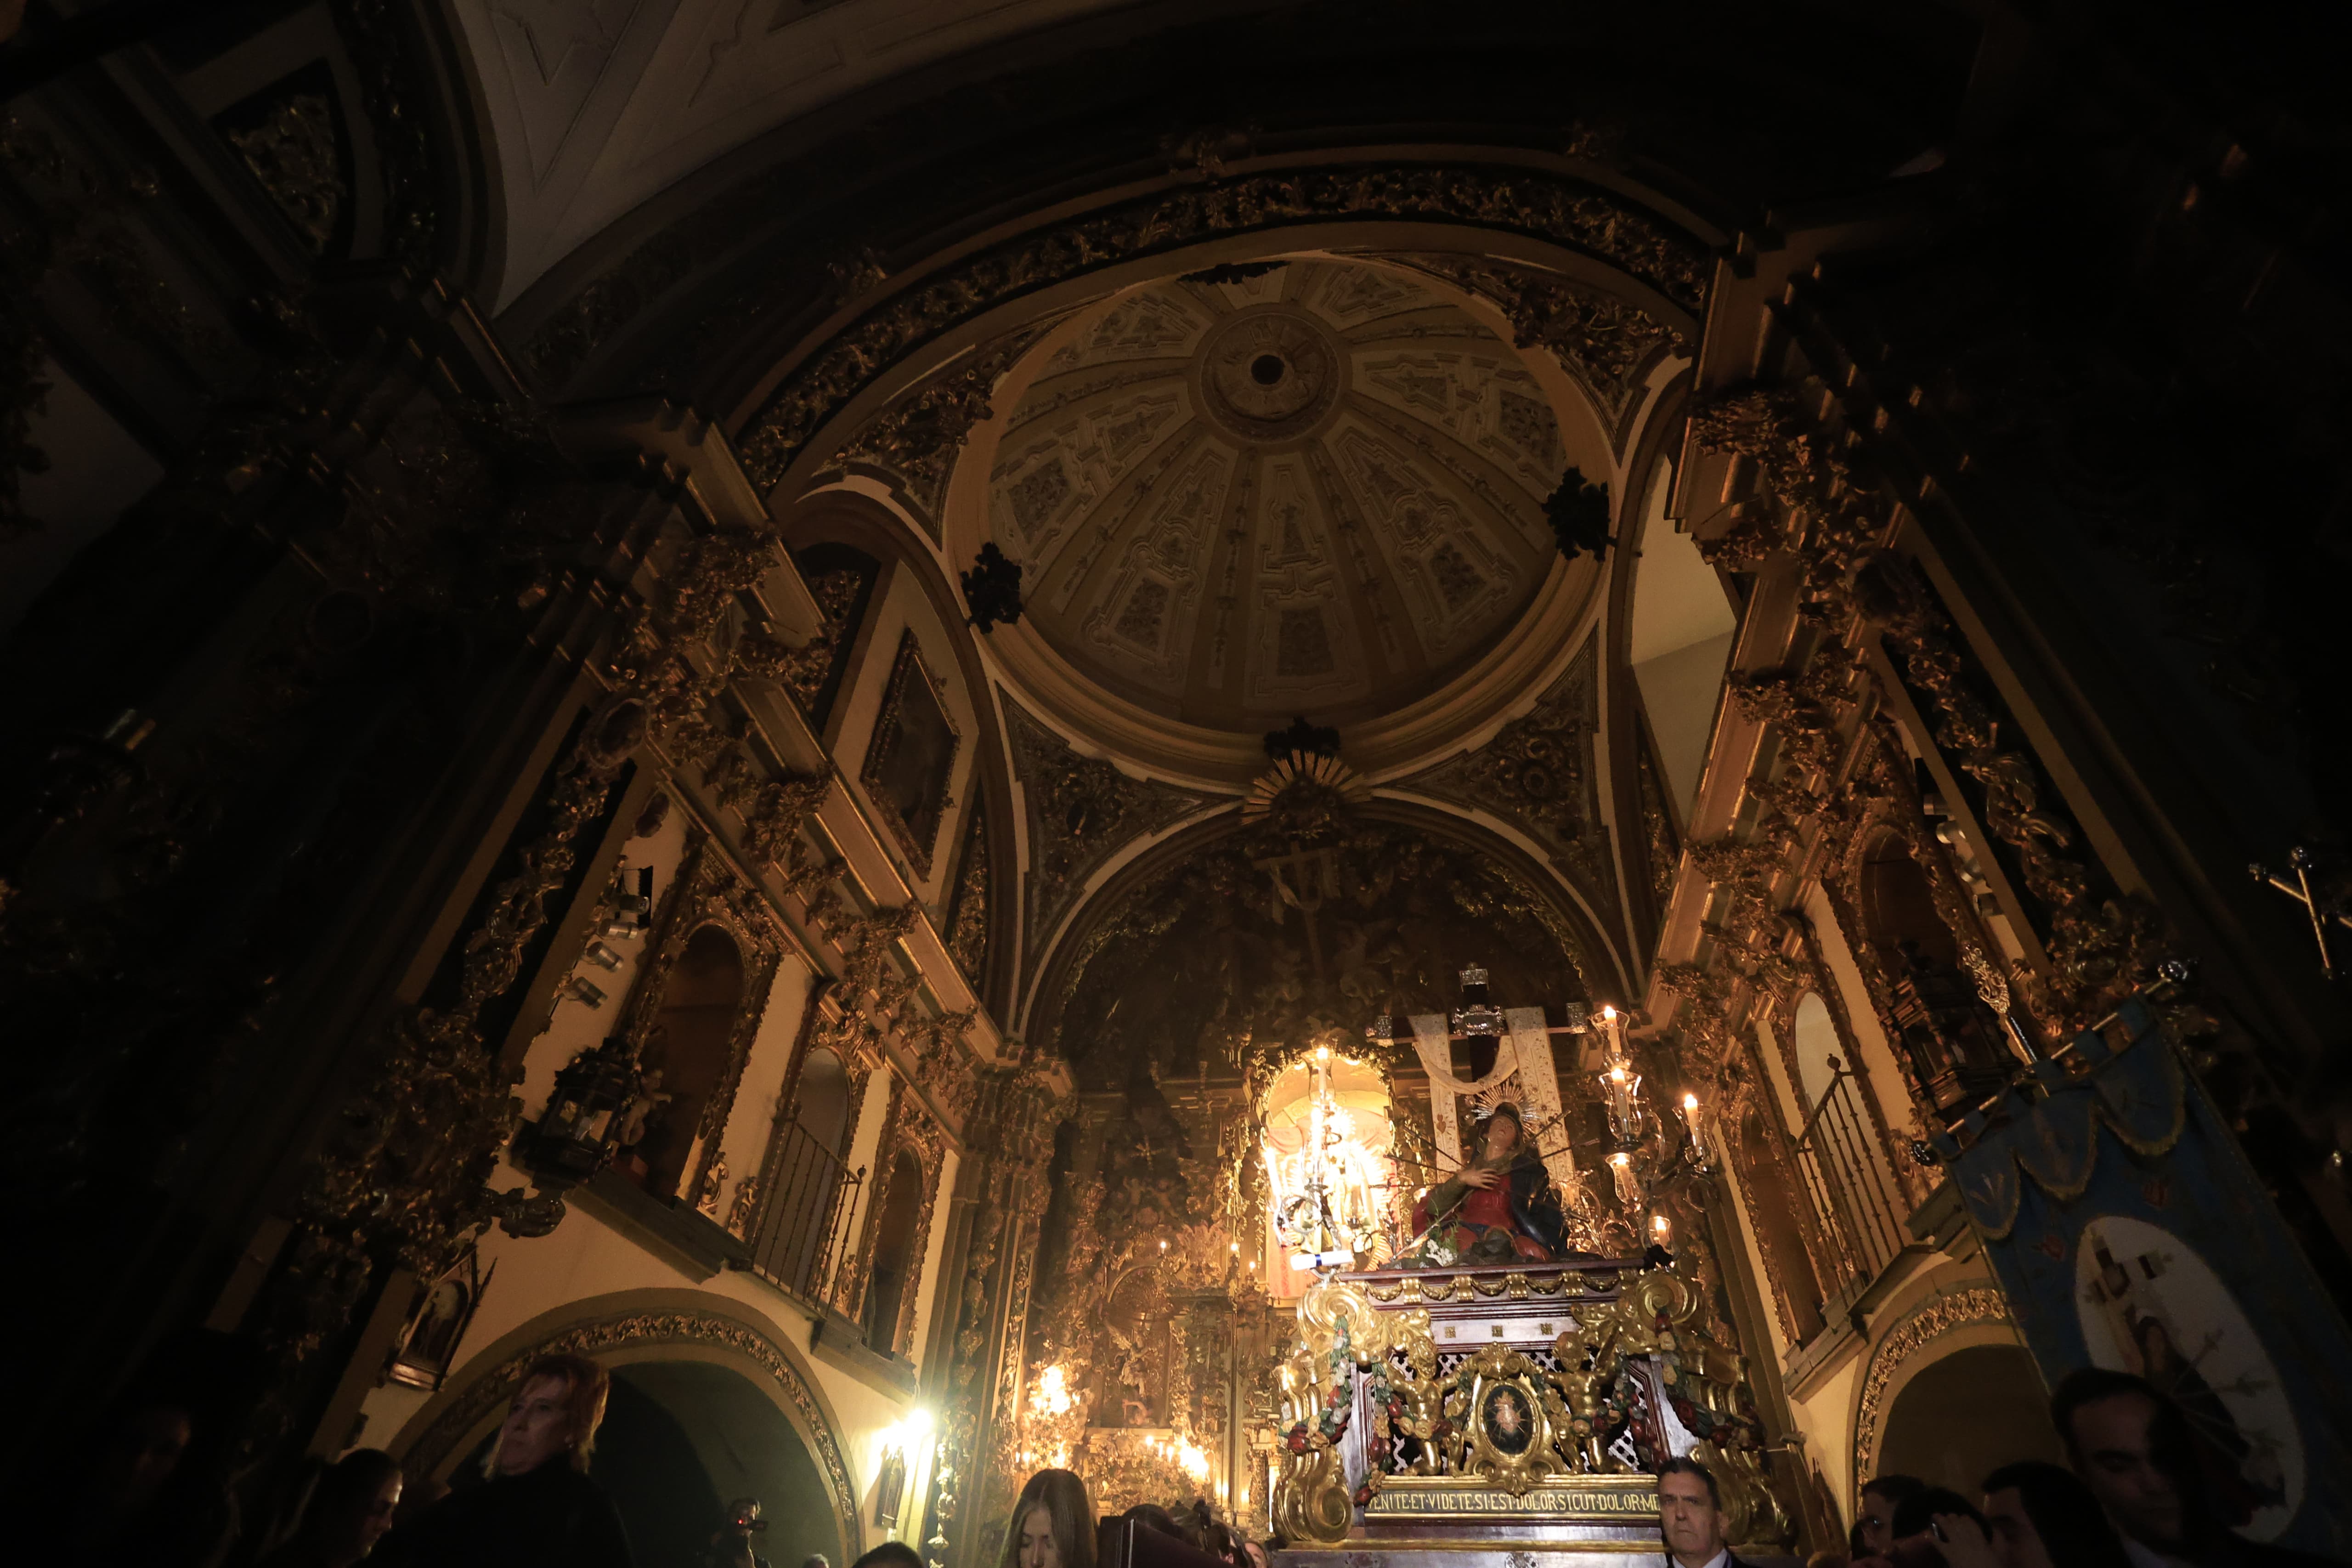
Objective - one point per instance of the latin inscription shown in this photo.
(1550, 1502)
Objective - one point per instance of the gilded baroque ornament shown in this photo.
(1606, 343)
(386, 1179)
(1466, 1430)
(917, 437)
(1081, 811)
(972, 907)
(1940, 1315)
(2099, 945)
(1539, 773)
(295, 153)
(1563, 211)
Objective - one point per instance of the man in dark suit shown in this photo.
(1691, 1518)
(2138, 1454)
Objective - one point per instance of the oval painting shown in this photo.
(1510, 1423)
(2150, 1306)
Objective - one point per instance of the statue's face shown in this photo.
(1502, 1137)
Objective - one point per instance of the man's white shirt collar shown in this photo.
(1722, 1559)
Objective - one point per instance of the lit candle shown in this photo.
(1662, 1229)
(1692, 1119)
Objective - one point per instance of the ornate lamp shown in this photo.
(579, 1132)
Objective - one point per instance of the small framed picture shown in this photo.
(438, 1323)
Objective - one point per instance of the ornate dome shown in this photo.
(1254, 492)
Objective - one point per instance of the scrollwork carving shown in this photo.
(1606, 343)
(295, 153)
(1562, 211)
(1940, 1315)
(1539, 773)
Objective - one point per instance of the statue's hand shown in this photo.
(1478, 1176)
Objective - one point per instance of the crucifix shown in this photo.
(2300, 861)
(1314, 876)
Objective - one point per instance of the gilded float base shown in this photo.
(1417, 1521)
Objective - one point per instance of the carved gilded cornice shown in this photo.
(1608, 344)
(1940, 1315)
(1548, 208)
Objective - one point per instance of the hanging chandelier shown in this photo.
(1324, 1210)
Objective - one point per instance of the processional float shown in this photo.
(1433, 1407)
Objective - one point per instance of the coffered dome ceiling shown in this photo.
(1313, 487)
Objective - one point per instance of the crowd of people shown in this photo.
(2134, 1494)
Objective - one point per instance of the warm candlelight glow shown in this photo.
(1690, 1102)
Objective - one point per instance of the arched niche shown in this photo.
(1898, 907)
(1959, 1415)
(629, 1329)
(823, 1100)
(807, 1177)
(1773, 1204)
(895, 1262)
(1819, 1049)
(692, 1043)
(682, 1439)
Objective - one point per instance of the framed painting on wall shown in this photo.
(911, 758)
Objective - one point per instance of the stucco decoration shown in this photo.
(1539, 775)
(1080, 810)
(1607, 343)
(915, 441)
(1315, 488)
(1938, 1316)
(600, 1337)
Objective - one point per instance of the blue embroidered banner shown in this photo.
(2129, 1232)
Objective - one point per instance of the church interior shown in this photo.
(928, 720)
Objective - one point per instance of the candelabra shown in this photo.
(1643, 1161)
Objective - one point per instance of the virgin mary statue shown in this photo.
(1500, 1206)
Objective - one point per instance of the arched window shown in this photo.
(1818, 1050)
(1898, 906)
(1856, 1209)
(809, 1186)
(822, 1108)
(894, 1252)
(689, 1047)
